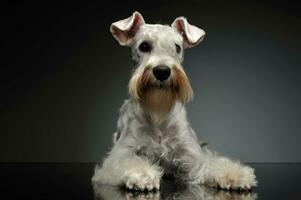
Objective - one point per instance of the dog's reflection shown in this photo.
(171, 191)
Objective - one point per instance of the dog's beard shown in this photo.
(158, 97)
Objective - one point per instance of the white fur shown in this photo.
(172, 192)
(145, 149)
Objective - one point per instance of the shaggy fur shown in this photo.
(171, 191)
(153, 135)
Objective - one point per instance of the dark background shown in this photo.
(63, 77)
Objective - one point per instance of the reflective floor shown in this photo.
(72, 181)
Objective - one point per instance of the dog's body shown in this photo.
(153, 135)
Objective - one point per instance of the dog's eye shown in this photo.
(145, 47)
(178, 48)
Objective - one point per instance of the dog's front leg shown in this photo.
(226, 173)
(198, 165)
(124, 167)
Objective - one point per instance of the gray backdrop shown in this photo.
(65, 77)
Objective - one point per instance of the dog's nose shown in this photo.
(161, 72)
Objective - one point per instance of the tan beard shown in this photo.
(158, 102)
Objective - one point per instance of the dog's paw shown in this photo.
(143, 196)
(142, 179)
(235, 176)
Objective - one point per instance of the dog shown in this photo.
(153, 135)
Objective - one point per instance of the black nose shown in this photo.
(161, 72)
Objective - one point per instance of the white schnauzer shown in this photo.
(153, 135)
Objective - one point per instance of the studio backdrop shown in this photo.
(64, 78)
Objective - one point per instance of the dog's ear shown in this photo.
(192, 35)
(124, 30)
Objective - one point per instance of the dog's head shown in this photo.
(158, 51)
